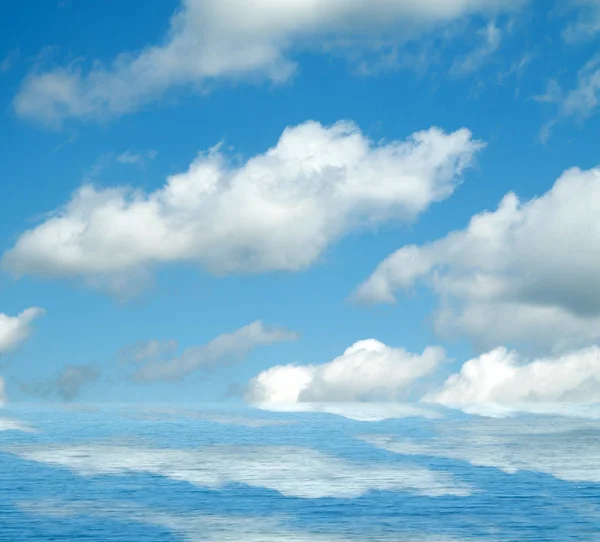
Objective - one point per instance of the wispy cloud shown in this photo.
(155, 360)
(205, 44)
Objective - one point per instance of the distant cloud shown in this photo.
(66, 385)
(368, 370)
(279, 210)
(205, 43)
(136, 158)
(526, 272)
(502, 377)
(154, 361)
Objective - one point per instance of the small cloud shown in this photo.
(139, 158)
(15, 329)
(9, 60)
(66, 385)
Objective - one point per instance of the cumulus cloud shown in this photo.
(292, 471)
(524, 273)
(500, 376)
(278, 211)
(368, 370)
(65, 385)
(224, 349)
(205, 44)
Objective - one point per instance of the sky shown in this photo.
(300, 203)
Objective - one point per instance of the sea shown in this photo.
(325, 473)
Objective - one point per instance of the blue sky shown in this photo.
(106, 96)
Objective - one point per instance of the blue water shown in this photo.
(215, 474)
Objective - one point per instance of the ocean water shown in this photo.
(206, 473)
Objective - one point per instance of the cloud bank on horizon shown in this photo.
(371, 371)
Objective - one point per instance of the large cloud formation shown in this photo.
(13, 331)
(524, 273)
(368, 370)
(277, 211)
(206, 44)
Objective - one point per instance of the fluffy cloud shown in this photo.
(278, 211)
(526, 272)
(501, 377)
(368, 370)
(205, 43)
(158, 364)
(292, 471)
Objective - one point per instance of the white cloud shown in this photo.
(368, 370)
(564, 448)
(278, 211)
(15, 329)
(224, 349)
(292, 471)
(205, 43)
(524, 273)
(501, 377)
